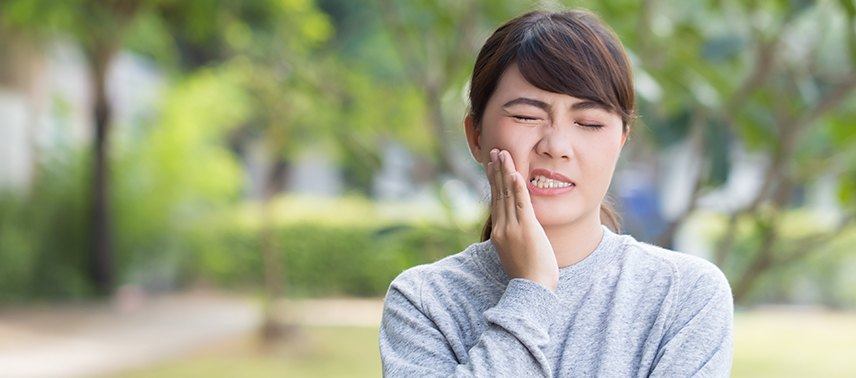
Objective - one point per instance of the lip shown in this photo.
(534, 190)
(550, 175)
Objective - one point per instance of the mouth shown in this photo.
(547, 179)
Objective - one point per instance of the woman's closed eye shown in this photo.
(593, 126)
(524, 118)
(532, 119)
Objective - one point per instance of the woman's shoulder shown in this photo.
(687, 270)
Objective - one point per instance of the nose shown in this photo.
(555, 143)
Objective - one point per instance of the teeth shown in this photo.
(546, 183)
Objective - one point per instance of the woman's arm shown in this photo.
(411, 344)
(700, 342)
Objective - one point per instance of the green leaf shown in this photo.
(849, 7)
(847, 189)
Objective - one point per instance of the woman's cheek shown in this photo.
(520, 140)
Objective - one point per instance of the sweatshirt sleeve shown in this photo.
(699, 341)
(411, 344)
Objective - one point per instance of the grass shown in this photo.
(318, 352)
(794, 344)
(767, 344)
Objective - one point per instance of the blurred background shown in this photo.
(227, 188)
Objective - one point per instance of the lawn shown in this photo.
(767, 344)
(319, 352)
(794, 344)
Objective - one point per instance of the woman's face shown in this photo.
(573, 137)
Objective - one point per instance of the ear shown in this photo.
(473, 138)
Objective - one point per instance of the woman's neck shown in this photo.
(573, 242)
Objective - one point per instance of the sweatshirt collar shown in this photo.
(603, 254)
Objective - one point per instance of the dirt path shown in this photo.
(85, 340)
(104, 338)
(333, 312)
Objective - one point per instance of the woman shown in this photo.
(550, 290)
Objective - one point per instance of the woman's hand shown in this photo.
(524, 250)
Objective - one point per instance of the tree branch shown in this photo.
(812, 244)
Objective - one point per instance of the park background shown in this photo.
(228, 187)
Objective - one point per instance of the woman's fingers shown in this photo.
(497, 208)
(508, 196)
(523, 202)
(494, 192)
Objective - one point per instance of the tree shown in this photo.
(283, 72)
(439, 65)
(777, 77)
(99, 27)
(268, 42)
(273, 51)
(709, 73)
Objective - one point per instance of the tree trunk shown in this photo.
(761, 263)
(273, 328)
(101, 267)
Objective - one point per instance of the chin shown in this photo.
(552, 217)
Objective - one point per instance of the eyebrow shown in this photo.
(584, 104)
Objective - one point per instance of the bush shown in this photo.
(44, 234)
(326, 260)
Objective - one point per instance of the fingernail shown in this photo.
(501, 157)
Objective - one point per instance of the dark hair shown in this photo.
(571, 52)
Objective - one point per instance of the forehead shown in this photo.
(513, 84)
(514, 89)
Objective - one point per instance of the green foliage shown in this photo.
(176, 173)
(276, 50)
(297, 74)
(166, 177)
(165, 242)
(43, 235)
(335, 252)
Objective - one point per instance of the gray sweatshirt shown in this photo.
(628, 309)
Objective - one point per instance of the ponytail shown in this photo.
(608, 217)
(487, 228)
